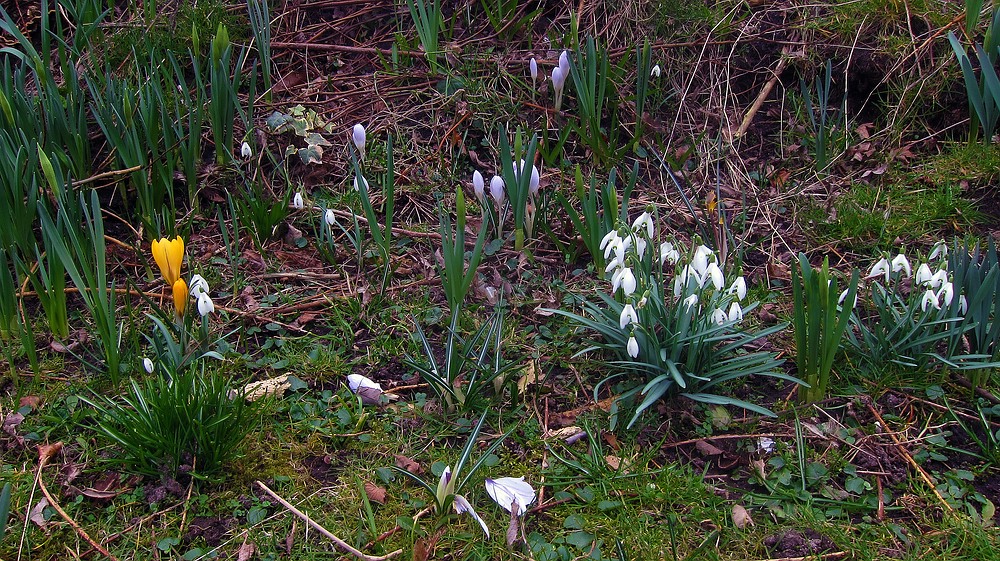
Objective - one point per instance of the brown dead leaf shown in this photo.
(529, 377)
(741, 518)
(614, 462)
(46, 451)
(402, 462)
(612, 440)
(707, 449)
(246, 551)
(11, 422)
(564, 433)
(513, 529)
(32, 401)
(375, 493)
(307, 317)
(290, 538)
(37, 514)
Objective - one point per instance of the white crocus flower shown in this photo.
(655, 72)
(924, 275)
(533, 182)
(946, 293)
(940, 249)
(643, 222)
(668, 253)
(632, 347)
(739, 288)
(479, 186)
(496, 190)
(511, 491)
(533, 68)
(359, 137)
(330, 217)
(198, 286)
(881, 268)
(462, 505)
(929, 299)
(370, 391)
(691, 301)
(719, 316)
(735, 312)
(245, 151)
(297, 201)
(558, 81)
(714, 273)
(205, 304)
(628, 316)
(564, 62)
(900, 263)
(147, 364)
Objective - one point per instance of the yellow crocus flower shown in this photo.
(180, 289)
(169, 255)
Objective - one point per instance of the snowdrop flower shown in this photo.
(367, 390)
(625, 279)
(735, 312)
(938, 279)
(479, 186)
(843, 296)
(766, 444)
(739, 288)
(359, 137)
(330, 217)
(929, 299)
(496, 190)
(963, 304)
(940, 249)
(297, 201)
(681, 280)
(632, 347)
(245, 151)
(715, 274)
(198, 286)
(719, 316)
(699, 262)
(628, 316)
(924, 274)
(147, 364)
(533, 67)
(655, 72)
(643, 222)
(946, 293)
(363, 180)
(691, 301)
(881, 268)
(668, 253)
(640, 246)
(205, 304)
(511, 491)
(900, 263)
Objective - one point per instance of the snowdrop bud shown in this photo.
(297, 201)
(700, 260)
(715, 274)
(205, 305)
(365, 181)
(479, 186)
(735, 312)
(330, 217)
(533, 182)
(644, 222)
(640, 247)
(245, 151)
(533, 66)
(359, 137)
(496, 190)
(739, 288)
(147, 364)
(681, 280)
(881, 268)
(900, 263)
(963, 304)
(628, 316)
(655, 72)
(632, 347)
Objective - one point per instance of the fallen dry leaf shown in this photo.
(246, 551)
(46, 451)
(37, 515)
(32, 401)
(272, 386)
(375, 493)
(707, 449)
(402, 462)
(529, 377)
(10, 423)
(741, 518)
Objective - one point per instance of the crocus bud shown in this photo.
(496, 189)
(364, 387)
(533, 65)
(558, 79)
(147, 364)
(297, 201)
(479, 185)
(564, 63)
(358, 135)
(245, 151)
(533, 182)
